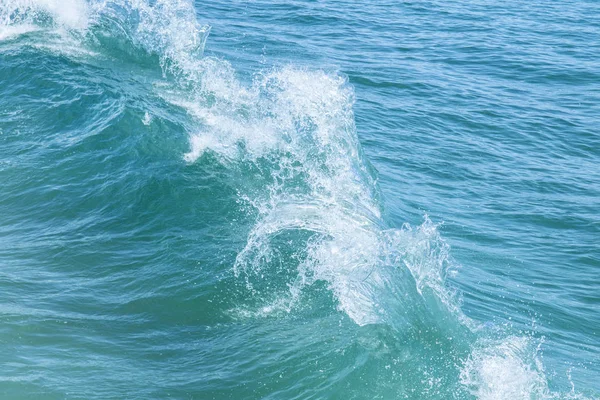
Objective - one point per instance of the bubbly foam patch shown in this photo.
(168, 28)
(502, 370)
(10, 31)
(509, 368)
(71, 14)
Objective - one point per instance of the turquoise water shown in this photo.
(299, 200)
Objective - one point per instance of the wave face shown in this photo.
(176, 225)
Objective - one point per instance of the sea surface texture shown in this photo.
(301, 199)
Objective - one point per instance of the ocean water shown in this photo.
(299, 200)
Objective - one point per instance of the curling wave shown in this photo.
(288, 139)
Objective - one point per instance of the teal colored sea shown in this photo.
(302, 199)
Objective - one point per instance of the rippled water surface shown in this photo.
(299, 200)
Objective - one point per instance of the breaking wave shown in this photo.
(288, 139)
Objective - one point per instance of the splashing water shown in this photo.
(288, 141)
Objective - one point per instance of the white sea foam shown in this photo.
(507, 369)
(57, 26)
(72, 14)
(10, 31)
(147, 120)
(168, 28)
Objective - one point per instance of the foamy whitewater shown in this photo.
(187, 222)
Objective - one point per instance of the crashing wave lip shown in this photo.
(498, 370)
(54, 26)
(14, 31)
(166, 28)
(69, 14)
